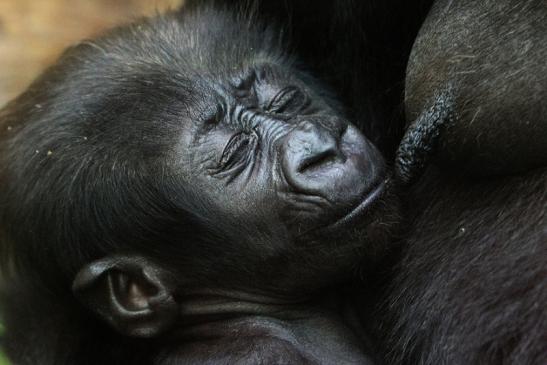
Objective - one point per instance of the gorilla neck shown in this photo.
(242, 329)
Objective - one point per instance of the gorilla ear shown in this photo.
(129, 292)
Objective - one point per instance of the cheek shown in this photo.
(247, 206)
(251, 221)
(260, 201)
(207, 150)
(254, 202)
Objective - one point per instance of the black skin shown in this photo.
(179, 191)
(491, 77)
(480, 307)
(469, 283)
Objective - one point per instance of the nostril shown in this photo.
(319, 160)
(310, 149)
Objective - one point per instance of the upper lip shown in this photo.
(370, 197)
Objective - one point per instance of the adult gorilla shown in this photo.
(470, 284)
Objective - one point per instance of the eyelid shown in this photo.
(291, 93)
(235, 145)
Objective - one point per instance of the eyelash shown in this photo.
(237, 151)
(289, 97)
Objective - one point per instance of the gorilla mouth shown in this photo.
(370, 198)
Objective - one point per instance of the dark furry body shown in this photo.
(473, 271)
(469, 284)
(472, 277)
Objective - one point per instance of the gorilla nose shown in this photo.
(336, 163)
(309, 151)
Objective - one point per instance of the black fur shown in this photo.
(470, 282)
(130, 233)
(468, 287)
(360, 48)
(491, 54)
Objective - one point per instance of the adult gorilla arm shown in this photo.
(486, 62)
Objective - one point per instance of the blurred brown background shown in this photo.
(34, 32)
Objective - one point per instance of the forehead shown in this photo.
(137, 85)
(176, 53)
(205, 42)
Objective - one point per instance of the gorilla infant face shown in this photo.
(264, 148)
(266, 153)
(200, 144)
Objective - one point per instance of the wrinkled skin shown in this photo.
(286, 160)
(466, 284)
(178, 191)
(359, 48)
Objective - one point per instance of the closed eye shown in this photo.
(237, 151)
(290, 100)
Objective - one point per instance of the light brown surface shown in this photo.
(34, 32)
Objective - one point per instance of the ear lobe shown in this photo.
(129, 292)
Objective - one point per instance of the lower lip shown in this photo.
(360, 209)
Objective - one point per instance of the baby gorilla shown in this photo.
(179, 191)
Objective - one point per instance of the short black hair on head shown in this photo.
(66, 196)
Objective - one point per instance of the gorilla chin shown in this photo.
(341, 171)
(364, 235)
(362, 214)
